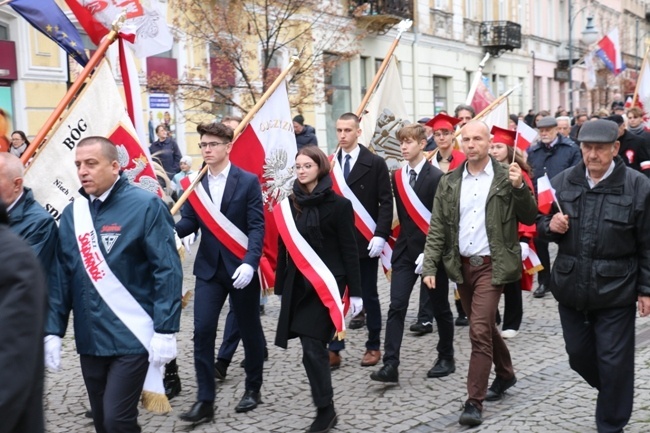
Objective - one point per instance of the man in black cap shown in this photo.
(633, 148)
(602, 267)
(431, 143)
(305, 134)
(551, 155)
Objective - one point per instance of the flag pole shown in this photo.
(636, 88)
(477, 79)
(74, 89)
(293, 63)
(403, 26)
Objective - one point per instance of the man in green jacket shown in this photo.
(473, 233)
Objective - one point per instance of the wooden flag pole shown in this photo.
(294, 62)
(55, 116)
(636, 88)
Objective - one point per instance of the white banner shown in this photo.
(98, 111)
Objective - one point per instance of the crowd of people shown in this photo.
(468, 218)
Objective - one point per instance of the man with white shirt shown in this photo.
(227, 206)
(119, 271)
(473, 231)
(414, 188)
(366, 175)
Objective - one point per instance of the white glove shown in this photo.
(419, 264)
(53, 352)
(375, 246)
(356, 305)
(525, 250)
(162, 349)
(243, 276)
(187, 241)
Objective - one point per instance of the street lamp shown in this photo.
(589, 36)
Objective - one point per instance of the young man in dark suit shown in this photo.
(225, 266)
(414, 186)
(366, 174)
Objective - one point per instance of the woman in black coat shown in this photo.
(326, 221)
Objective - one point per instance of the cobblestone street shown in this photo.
(548, 396)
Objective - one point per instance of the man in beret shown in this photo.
(552, 154)
(602, 267)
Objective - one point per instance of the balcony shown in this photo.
(498, 37)
(378, 16)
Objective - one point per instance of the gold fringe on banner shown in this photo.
(156, 403)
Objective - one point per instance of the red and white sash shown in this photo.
(112, 291)
(417, 211)
(310, 265)
(219, 225)
(362, 219)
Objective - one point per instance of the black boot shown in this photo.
(325, 419)
(171, 381)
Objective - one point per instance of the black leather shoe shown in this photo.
(471, 416)
(421, 328)
(462, 321)
(325, 419)
(221, 369)
(171, 381)
(202, 411)
(358, 322)
(387, 374)
(442, 368)
(249, 401)
(540, 291)
(499, 387)
(266, 357)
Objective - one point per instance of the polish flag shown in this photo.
(532, 263)
(609, 51)
(525, 136)
(479, 96)
(267, 148)
(545, 194)
(146, 19)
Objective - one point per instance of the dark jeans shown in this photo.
(209, 299)
(401, 286)
(114, 385)
(480, 301)
(513, 310)
(317, 366)
(600, 345)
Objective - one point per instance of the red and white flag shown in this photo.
(267, 148)
(610, 52)
(545, 194)
(479, 96)
(532, 263)
(98, 111)
(146, 19)
(525, 136)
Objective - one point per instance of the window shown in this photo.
(537, 92)
(503, 10)
(4, 33)
(338, 94)
(521, 94)
(363, 71)
(441, 4)
(470, 9)
(439, 94)
(488, 10)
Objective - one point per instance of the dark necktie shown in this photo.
(346, 167)
(97, 203)
(413, 174)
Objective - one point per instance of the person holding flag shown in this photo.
(119, 271)
(362, 177)
(414, 188)
(227, 206)
(504, 151)
(317, 271)
(473, 233)
(601, 274)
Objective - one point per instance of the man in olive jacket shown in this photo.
(473, 231)
(602, 267)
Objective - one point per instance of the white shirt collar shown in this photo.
(417, 168)
(354, 154)
(609, 171)
(489, 170)
(15, 201)
(223, 172)
(104, 196)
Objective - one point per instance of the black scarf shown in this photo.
(307, 205)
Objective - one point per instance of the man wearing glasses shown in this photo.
(227, 206)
